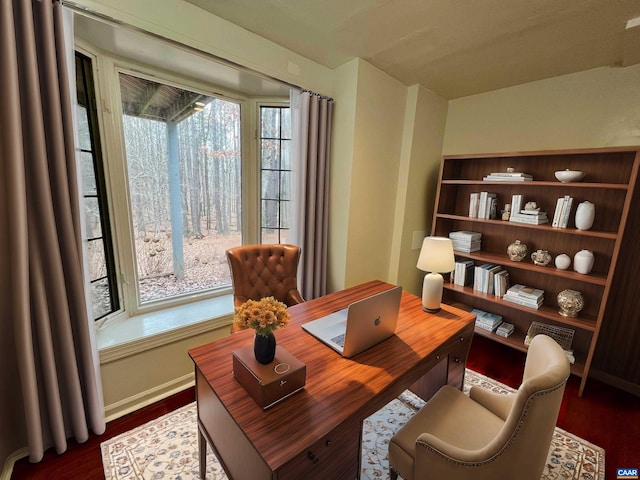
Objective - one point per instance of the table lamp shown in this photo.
(436, 257)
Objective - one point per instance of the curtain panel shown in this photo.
(40, 214)
(311, 118)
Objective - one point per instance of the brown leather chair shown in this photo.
(486, 435)
(259, 271)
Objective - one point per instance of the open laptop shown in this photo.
(361, 325)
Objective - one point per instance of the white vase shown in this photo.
(585, 214)
(583, 261)
(563, 261)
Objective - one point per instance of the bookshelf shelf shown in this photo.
(609, 184)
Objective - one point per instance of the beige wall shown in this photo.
(374, 163)
(596, 108)
(425, 117)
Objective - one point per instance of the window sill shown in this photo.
(127, 336)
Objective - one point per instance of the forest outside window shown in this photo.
(183, 160)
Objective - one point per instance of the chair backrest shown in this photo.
(259, 271)
(526, 435)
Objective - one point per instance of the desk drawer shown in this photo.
(335, 457)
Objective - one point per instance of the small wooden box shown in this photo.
(272, 383)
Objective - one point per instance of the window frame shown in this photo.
(259, 106)
(106, 71)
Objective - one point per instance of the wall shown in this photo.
(596, 108)
(375, 158)
(425, 117)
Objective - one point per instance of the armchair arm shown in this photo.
(497, 403)
(294, 297)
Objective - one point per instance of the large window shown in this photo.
(101, 260)
(275, 169)
(183, 157)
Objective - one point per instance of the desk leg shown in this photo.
(202, 452)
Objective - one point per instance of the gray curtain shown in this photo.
(40, 214)
(311, 117)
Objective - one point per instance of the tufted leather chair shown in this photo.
(486, 435)
(259, 271)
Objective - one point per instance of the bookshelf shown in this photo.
(609, 184)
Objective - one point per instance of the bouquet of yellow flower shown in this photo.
(264, 315)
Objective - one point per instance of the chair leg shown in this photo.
(393, 475)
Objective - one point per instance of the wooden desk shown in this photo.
(316, 433)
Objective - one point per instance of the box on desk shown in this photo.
(272, 383)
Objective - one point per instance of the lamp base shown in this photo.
(432, 292)
(431, 310)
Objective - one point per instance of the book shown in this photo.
(521, 301)
(486, 204)
(501, 283)
(526, 292)
(501, 178)
(557, 212)
(567, 212)
(505, 329)
(487, 321)
(516, 203)
(529, 219)
(474, 202)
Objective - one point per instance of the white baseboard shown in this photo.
(11, 460)
(135, 402)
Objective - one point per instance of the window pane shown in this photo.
(270, 214)
(84, 136)
(270, 154)
(88, 174)
(184, 165)
(92, 217)
(97, 259)
(100, 301)
(275, 154)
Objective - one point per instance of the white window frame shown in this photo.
(106, 71)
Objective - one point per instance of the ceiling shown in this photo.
(453, 47)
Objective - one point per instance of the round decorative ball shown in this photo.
(570, 303)
(563, 261)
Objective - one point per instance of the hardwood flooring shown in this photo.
(604, 416)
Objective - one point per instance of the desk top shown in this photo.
(337, 389)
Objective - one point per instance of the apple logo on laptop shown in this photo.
(376, 322)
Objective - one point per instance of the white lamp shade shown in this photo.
(436, 255)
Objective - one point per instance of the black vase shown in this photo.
(264, 348)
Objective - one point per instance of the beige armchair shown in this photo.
(486, 435)
(265, 270)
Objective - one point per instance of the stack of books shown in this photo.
(505, 329)
(463, 273)
(482, 205)
(464, 241)
(508, 177)
(532, 217)
(562, 212)
(525, 296)
(484, 277)
(487, 321)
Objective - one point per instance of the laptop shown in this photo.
(361, 325)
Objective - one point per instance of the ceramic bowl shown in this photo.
(567, 176)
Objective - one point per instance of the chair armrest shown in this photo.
(294, 298)
(497, 403)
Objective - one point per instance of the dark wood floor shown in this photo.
(604, 416)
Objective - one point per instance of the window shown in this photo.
(183, 158)
(275, 169)
(101, 260)
(179, 172)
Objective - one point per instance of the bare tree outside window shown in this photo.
(275, 161)
(184, 166)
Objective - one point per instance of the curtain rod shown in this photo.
(105, 18)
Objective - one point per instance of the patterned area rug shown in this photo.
(167, 448)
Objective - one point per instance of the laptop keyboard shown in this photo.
(339, 340)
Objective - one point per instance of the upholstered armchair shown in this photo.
(259, 271)
(486, 435)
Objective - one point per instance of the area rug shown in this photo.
(167, 447)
